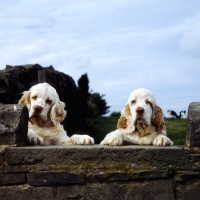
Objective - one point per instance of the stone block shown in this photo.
(49, 178)
(121, 176)
(187, 186)
(13, 124)
(12, 179)
(140, 190)
(25, 192)
(1, 159)
(100, 160)
(193, 125)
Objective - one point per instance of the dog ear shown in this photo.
(58, 113)
(25, 99)
(158, 119)
(124, 122)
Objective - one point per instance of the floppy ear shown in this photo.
(125, 122)
(25, 99)
(158, 120)
(57, 113)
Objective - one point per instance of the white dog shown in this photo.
(46, 112)
(141, 122)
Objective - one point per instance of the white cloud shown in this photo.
(190, 40)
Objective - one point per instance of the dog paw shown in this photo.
(162, 140)
(34, 139)
(82, 140)
(113, 138)
(112, 141)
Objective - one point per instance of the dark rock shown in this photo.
(1, 159)
(193, 125)
(24, 192)
(50, 178)
(13, 124)
(187, 186)
(12, 179)
(151, 190)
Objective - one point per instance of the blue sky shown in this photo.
(121, 44)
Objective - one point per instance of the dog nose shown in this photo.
(38, 109)
(140, 110)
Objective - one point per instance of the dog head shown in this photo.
(142, 108)
(43, 104)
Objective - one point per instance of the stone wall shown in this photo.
(98, 172)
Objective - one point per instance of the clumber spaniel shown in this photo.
(46, 112)
(141, 122)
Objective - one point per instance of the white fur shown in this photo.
(46, 112)
(143, 99)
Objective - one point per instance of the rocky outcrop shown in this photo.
(16, 79)
(13, 124)
(193, 125)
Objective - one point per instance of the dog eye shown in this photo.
(133, 102)
(34, 97)
(48, 101)
(148, 102)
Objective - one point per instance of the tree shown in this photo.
(96, 104)
(83, 83)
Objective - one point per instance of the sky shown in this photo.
(122, 45)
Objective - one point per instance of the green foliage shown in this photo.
(176, 128)
(83, 83)
(115, 114)
(102, 126)
(96, 104)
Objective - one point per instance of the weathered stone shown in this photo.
(186, 176)
(101, 172)
(1, 159)
(193, 125)
(187, 186)
(41, 76)
(107, 177)
(11, 179)
(155, 189)
(13, 124)
(49, 178)
(100, 159)
(24, 192)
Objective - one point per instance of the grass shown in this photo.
(176, 128)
